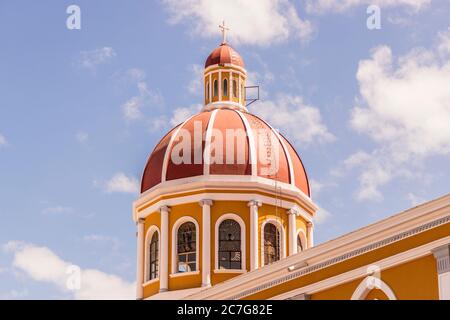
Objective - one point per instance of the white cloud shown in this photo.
(256, 22)
(414, 199)
(324, 6)
(82, 136)
(321, 216)
(300, 122)
(195, 86)
(43, 265)
(3, 141)
(57, 210)
(179, 115)
(404, 107)
(98, 238)
(123, 184)
(91, 59)
(132, 109)
(444, 42)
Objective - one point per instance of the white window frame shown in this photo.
(175, 228)
(238, 219)
(368, 284)
(148, 238)
(304, 241)
(281, 230)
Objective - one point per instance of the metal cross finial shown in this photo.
(224, 32)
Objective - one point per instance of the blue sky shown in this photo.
(80, 111)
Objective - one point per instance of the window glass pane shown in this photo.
(186, 244)
(299, 244)
(229, 244)
(153, 261)
(271, 243)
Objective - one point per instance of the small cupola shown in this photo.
(224, 77)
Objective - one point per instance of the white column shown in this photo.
(220, 85)
(310, 234)
(254, 205)
(442, 256)
(140, 259)
(293, 212)
(164, 263)
(206, 242)
(239, 89)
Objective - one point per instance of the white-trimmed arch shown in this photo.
(302, 234)
(369, 283)
(282, 232)
(175, 228)
(148, 238)
(238, 219)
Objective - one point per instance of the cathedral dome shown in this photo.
(224, 54)
(262, 153)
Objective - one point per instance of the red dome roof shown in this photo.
(290, 170)
(224, 54)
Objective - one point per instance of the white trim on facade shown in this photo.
(168, 150)
(282, 232)
(251, 144)
(238, 219)
(368, 284)
(208, 137)
(386, 232)
(148, 238)
(304, 242)
(174, 250)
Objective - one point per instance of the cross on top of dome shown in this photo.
(224, 32)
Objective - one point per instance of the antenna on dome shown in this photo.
(250, 100)
(224, 31)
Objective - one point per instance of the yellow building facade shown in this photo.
(225, 212)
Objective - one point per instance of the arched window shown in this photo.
(225, 88)
(207, 90)
(271, 243)
(154, 257)
(235, 88)
(186, 248)
(215, 89)
(299, 244)
(230, 255)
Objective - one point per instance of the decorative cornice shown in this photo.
(164, 208)
(442, 255)
(295, 210)
(256, 203)
(205, 202)
(338, 259)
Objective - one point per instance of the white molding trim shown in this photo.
(184, 274)
(225, 183)
(148, 237)
(168, 150)
(238, 219)
(388, 231)
(303, 239)
(207, 151)
(224, 105)
(368, 284)
(174, 250)
(216, 68)
(229, 271)
(282, 232)
(150, 282)
(231, 182)
(286, 152)
(251, 144)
